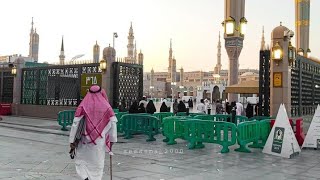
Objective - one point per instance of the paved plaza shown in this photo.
(37, 149)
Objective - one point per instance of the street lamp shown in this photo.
(230, 26)
(243, 26)
(291, 53)
(300, 52)
(277, 54)
(308, 53)
(115, 35)
(103, 65)
(14, 70)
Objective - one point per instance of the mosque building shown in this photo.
(173, 84)
(33, 49)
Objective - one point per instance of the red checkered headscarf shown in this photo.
(97, 111)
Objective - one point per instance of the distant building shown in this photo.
(11, 58)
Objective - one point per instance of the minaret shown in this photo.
(174, 70)
(96, 53)
(234, 11)
(135, 51)
(181, 77)
(201, 77)
(170, 62)
(140, 58)
(302, 9)
(130, 45)
(62, 56)
(263, 42)
(31, 39)
(33, 43)
(152, 78)
(217, 69)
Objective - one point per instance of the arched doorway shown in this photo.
(216, 93)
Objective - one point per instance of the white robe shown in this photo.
(90, 157)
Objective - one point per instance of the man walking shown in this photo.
(99, 135)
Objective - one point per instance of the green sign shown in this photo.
(277, 140)
(87, 80)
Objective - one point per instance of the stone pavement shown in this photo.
(43, 154)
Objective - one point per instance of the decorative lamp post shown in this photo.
(14, 70)
(103, 65)
(291, 53)
(308, 53)
(277, 54)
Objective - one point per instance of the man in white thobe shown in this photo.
(100, 134)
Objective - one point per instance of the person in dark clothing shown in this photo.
(175, 106)
(228, 108)
(122, 106)
(233, 111)
(190, 103)
(233, 105)
(182, 107)
(249, 110)
(141, 108)
(164, 107)
(151, 109)
(134, 108)
(219, 108)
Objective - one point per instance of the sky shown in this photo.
(193, 25)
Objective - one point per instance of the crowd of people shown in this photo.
(178, 105)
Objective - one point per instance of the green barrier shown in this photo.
(65, 118)
(264, 131)
(119, 123)
(247, 132)
(258, 118)
(190, 114)
(162, 115)
(240, 119)
(201, 131)
(115, 110)
(140, 123)
(172, 129)
(218, 117)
